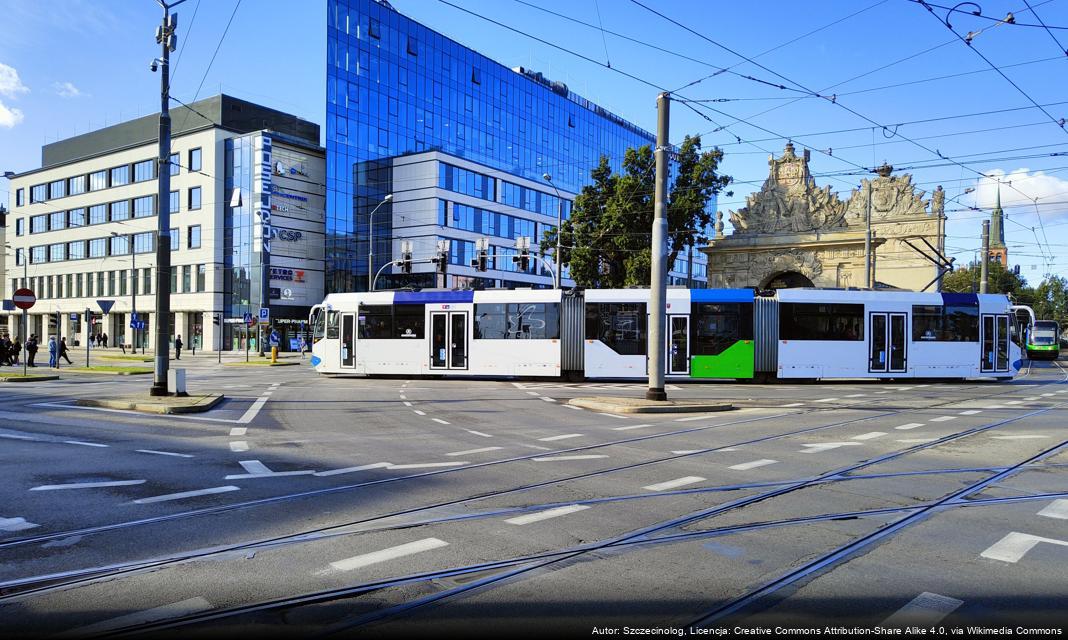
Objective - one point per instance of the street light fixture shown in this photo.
(371, 242)
(559, 228)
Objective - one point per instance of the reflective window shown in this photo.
(120, 175)
(716, 327)
(194, 159)
(144, 170)
(175, 164)
(38, 193)
(194, 237)
(76, 250)
(619, 325)
(808, 321)
(194, 198)
(465, 181)
(522, 321)
(20, 197)
(98, 180)
(38, 254)
(120, 245)
(176, 201)
(77, 185)
(950, 323)
(98, 247)
(57, 252)
(144, 206)
(98, 214)
(57, 221)
(120, 210)
(144, 242)
(202, 277)
(20, 226)
(39, 224)
(57, 189)
(76, 218)
(176, 239)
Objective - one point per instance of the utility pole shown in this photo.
(166, 38)
(983, 270)
(873, 239)
(658, 248)
(867, 244)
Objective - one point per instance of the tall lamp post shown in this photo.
(371, 243)
(133, 285)
(559, 227)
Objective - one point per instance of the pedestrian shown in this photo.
(63, 351)
(5, 351)
(104, 339)
(53, 353)
(16, 350)
(303, 347)
(178, 347)
(31, 350)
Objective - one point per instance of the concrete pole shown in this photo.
(983, 270)
(867, 244)
(658, 251)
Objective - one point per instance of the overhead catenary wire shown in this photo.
(1044, 26)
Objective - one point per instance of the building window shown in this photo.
(76, 250)
(373, 29)
(175, 238)
(146, 280)
(57, 189)
(144, 170)
(143, 242)
(98, 247)
(194, 237)
(175, 163)
(413, 46)
(186, 284)
(111, 283)
(98, 180)
(76, 218)
(100, 284)
(20, 226)
(174, 280)
(39, 224)
(77, 186)
(57, 252)
(38, 193)
(144, 206)
(476, 75)
(194, 159)
(120, 245)
(20, 197)
(38, 255)
(202, 277)
(77, 285)
(122, 276)
(18, 258)
(98, 214)
(120, 175)
(120, 210)
(176, 202)
(194, 198)
(57, 221)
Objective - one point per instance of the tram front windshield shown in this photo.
(1044, 333)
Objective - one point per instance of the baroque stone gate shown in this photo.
(793, 234)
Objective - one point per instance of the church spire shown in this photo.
(998, 250)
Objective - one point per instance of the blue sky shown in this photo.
(69, 66)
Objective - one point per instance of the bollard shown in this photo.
(274, 355)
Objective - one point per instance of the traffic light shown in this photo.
(441, 260)
(216, 319)
(406, 256)
(481, 261)
(522, 243)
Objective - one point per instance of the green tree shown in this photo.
(606, 241)
(1051, 299)
(999, 280)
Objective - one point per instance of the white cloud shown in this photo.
(67, 90)
(1024, 188)
(10, 84)
(9, 117)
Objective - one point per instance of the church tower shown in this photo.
(998, 251)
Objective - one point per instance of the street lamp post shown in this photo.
(371, 243)
(559, 228)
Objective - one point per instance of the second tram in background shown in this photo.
(1044, 340)
(710, 333)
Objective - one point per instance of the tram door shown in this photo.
(887, 342)
(994, 338)
(679, 345)
(448, 340)
(348, 343)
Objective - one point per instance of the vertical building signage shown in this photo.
(263, 203)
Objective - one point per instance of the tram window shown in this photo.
(319, 325)
(620, 325)
(951, 323)
(523, 321)
(807, 321)
(333, 330)
(409, 321)
(376, 322)
(715, 327)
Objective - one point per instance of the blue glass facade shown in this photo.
(395, 86)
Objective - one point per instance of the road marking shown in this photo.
(794, 404)
(267, 393)
(366, 467)
(971, 412)
(943, 418)
(882, 392)
(826, 446)
(746, 466)
(556, 458)
(856, 395)
(1057, 509)
(167, 611)
(918, 440)
(257, 469)
(238, 446)
(254, 466)
(238, 431)
(534, 446)
(547, 399)
(825, 400)
(1062, 391)
(533, 393)
(473, 451)
(357, 562)
(426, 465)
(1014, 402)
(164, 453)
(632, 426)
(692, 418)
(924, 610)
(407, 404)
(672, 484)
(187, 494)
(419, 413)
(1032, 399)
(545, 515)
(612, 415)
(563, 437)
(14, 437)
(1047, 395)
(85, 444)
(571, 406)
(250, 415)
(87, 485)
(478, 433)
(995, 406)
(16, 524)
(870, 435)
(440, 421)
(403, 397)
(911, 425)
(1020, 437)
(1014, 546)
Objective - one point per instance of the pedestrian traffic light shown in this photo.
(406, 256)
(523, 259)
(481, 261)
(441, 260)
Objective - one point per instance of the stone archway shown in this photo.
(786, 280)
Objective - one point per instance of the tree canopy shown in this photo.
(1049, 299)
(606, 241)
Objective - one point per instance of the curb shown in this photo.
(206, 403)
(28, 378)
(109, 373)
(626, 406)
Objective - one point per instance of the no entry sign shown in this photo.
(24, 298)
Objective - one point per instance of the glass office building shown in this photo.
(396, 87)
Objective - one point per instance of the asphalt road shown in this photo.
(335, 506)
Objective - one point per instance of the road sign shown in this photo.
(105, 305)
(24, 299)
(275, 339)
(74, 316)
(265, 314)
(133, 317)
(9, 305)
(249, 320)
(137, 324)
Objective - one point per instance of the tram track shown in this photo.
(35, 584)
(517, 568)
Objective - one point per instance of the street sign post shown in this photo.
(105, 305)
(24, 299)
(265, 314)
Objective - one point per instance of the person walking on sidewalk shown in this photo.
(63, 351)
(31, 350)
(53, 353)
(178, 347)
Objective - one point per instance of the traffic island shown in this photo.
(192, 403)
(11, 376)
(610, 404)
(110, 370)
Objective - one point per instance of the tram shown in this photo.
(1044, 340)
(709, 334)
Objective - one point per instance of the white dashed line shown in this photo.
(1015, 546)
(825, 400)
(561, 458)
(478, 433)
(254, 466)
(1047, 395)
(918, 440)
(826, 446)
(612, 415)
(186, 494)
(563, 437)
(87, 485)
(238, 431)
(794, 404)
(673, 484)
(16, 524)
(856, 395)
(692, 418)
(533, 393)
(1058, 509)
(165, 612)
(366, 467)
(632, 426)
(473, 451)
(1015, 402)
(238, 446)
(85, 444)
(426, 465)
(164, 453)
(1031, 399)
(943, 418)
(911, 425)
(418, 412)
(545, 515)
(440, 421)
(924, 610)
(548, 399)
(1020, 437)
(971, 412)
(571, 406)
(870, 436)
(407, 404)
(11, 436)
(746, 466)
(250, 415)
(357, 562)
